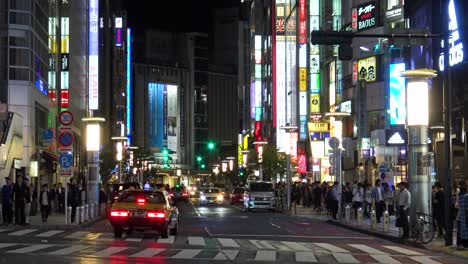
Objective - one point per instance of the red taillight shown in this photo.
(141, 201)
(171, 195)
(184, 194)
(119, 213)
(155, 215)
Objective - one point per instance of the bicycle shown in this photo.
(423, 228)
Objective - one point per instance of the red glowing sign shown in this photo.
(258, 131)
(64, 99)
(301, 163)
(302, 10)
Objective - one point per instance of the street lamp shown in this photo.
(93, 144)
(119, 141)
(288, 129)
(260, 157)
(417, 94)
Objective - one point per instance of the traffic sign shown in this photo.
(48, 134)
(66, 118)
(65, 160)
(66, 138)
(334, 142)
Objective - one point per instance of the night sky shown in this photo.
(173, 15)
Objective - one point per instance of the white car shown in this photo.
(211, 196)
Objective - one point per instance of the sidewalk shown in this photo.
(393, 234)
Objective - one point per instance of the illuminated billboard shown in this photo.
(455, 42)
(332, 87)
(280, 95)
(367, 69)
(163, 115)
(397, 94)
(129, 85)
(93, 57)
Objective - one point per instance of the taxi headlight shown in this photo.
(220, 198)
(203, 198)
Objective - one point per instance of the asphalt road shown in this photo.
(213, 234)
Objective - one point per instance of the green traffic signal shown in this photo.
(211, 145)
(241, 173)
(199, 158)
(165, 158)
(203, 166)
(165, 152)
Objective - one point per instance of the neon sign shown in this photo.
(455, 44)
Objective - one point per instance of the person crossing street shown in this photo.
(7, 194)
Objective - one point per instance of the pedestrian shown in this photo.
(318, 197)
(358, 197)
(102, 201)
(60, 198)
(463, 202)
(74, 198)
(403, 206)
(45, 201)
(388, 198)
(7, 194)
(367, 199)
(334, 198)
(28, 198)
(82, 193)
(19, 198)
(53, 197)
(378, 197)
(462, 191)
(438, 207)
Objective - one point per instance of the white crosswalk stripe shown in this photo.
(228, 242)
(30, 249)
(265, 255)
(345, 258)
(262, 244)
(196, 241)
(403, 250)
(385, 259)
(169, 240)
(424, 259)
(22, 232)
(187, 254)
(305, 257)
(49, 233)
(78, 235)
(102, 237)
(68, 250)
(227, 255)
(331, 248)
(109, 251)
(5, 245)
(368, 249)
(147, 253)
(295, 246)
(5, 230)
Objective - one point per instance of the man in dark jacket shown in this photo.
(73, 199)
(438, 207)
(60, 193)
(19, 197)
(7, 194)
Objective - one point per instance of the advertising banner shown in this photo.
(172, 117)
(303, 79)
(156, 115)
(93, 58)
(314, 103)
(397, 94)
(367, 69)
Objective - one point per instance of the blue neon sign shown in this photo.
(397, 95)
(129, 85)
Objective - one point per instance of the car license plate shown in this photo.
(139, 214)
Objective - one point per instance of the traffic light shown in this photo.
(165, 152)
(202, 166)
(199, 158)
(211, 145)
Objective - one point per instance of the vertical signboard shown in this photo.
(93, 57)
(302, 22)
(397, 95)
(155, 116)
(332, 81)
(129, 85)
(314, 58)
(172, 117)
(280, 100)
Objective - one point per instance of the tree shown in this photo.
(107, 162)
(273, 162)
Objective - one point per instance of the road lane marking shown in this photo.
(78, 235)
(134, 239)
(147, 253)
(109, 251)
(385, 259)
(196, 241)
(22, 232)
(29, 249)
(68, 250)
(368, 249)
(305, 257)
(187, 254)
(4, 245)
(228, 242)
(49, 233)
(292, 236)
(228, 254)
(261, 244)
(265, 255)
(331, 248)
(169, 240)
(295, 246)
(424, 259)
(403, 250)
(345, 258)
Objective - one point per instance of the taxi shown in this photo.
(144, 210)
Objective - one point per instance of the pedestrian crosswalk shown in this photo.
(297, 252)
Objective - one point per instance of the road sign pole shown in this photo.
(66, 202)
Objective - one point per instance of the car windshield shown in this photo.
(261, 187)
(125, 186)
(210, 191)
(150, 197)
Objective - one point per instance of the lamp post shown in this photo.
(260, 157)
(288, 129)
(119, 145)
(417, 94)
(335, 145)
(93, 144)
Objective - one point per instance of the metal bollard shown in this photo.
(347, 213)
(82, 214)
(69, 215)
(93, 213)
(386, 222)
(359, 216)
(373, 219)
(77, 215)
(86, 212)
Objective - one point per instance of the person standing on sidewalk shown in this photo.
(28, 199)
(19, 198)
(463, 202)
(45, 200)
(404, 202)
(438, 209)
(377, 195)
(334, 200)
(7, 194)
(74, 198)
(60, 192)
(358, 197)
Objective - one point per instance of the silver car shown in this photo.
(211, 196)
(260, 195)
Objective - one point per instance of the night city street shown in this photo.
(213, 234)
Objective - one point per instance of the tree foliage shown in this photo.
(273, 162)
